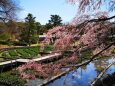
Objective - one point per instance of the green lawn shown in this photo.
(25, 53)
(21, 53)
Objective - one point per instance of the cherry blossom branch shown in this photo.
(95, 20)
(92, 58)
(92, 20)
(103, 19)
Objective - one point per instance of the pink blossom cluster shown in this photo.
(95, 34)
(32, 69)
(90, 34)
(80, 19)
(63, 37)
(50, 35)
(64, 42)
(86, 5)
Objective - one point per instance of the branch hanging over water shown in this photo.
(101, 74)
(92, 58)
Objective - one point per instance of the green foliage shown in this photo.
(5, 54)
(3, 42)
(31, 30)
(19, 43)
(4, 36)
(22, 53)
(8, 79)
(54, 21)
(13, 53)
(32, 53)
(48, 26)
(1, 59)
(7, 42)
(48, 48)
(26, 53)
(38, 25)
(36, 50)
(87, 54)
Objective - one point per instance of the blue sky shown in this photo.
(42, 9)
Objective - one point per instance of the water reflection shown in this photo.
(83, 76)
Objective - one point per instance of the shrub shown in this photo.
(10, 80)
(15, 43)
(86, 54)
(13, 53)
(1, 59)
(32, 53)
(36, 50)
(5, 54)
(4, 36)
(48, 48)
(4, 42)
(22, 53)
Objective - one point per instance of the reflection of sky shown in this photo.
(112, 68)
(111, 60)
(81, 77)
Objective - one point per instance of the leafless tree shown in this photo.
(8, 10)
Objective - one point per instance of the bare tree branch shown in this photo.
(8, 10)
(101, 74)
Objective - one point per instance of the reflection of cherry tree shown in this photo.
(101, 64)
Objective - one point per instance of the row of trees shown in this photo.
(28, 31)
(32, 29)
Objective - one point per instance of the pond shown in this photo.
(83, 76)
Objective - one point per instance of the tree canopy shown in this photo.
(8, 9)
(55, 20)
(30, 30)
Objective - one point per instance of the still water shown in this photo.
(83, 76)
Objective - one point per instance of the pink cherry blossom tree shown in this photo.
(83, 33)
